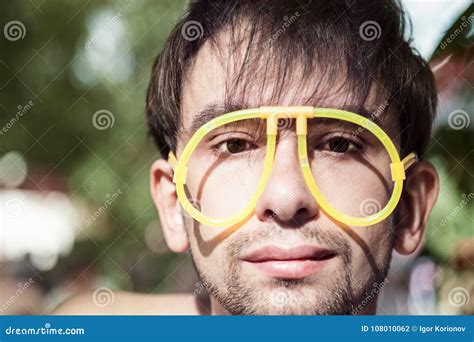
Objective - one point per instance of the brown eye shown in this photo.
(339, 145)
(236, 145)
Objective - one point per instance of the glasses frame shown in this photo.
(301, 114)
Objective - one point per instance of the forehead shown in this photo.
(215, 78)
(204, 82)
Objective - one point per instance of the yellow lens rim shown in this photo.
(301, 114)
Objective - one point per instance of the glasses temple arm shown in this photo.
(173, 161)
(398, 169)
(409, 160)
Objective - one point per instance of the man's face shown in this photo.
(289, 257)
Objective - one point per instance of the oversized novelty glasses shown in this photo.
(349, 164)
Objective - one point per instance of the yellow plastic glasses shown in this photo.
(351, 167)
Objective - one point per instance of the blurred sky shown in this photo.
(431, 20)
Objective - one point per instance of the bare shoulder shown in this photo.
(128, 303)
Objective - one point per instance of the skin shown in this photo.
(286, 215)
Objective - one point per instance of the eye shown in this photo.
(234, 146)
(340, 145)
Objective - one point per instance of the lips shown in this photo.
(289, 263)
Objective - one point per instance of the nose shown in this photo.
(286, 198)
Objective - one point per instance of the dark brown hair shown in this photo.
(361, 40)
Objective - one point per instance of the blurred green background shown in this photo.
(78, 71)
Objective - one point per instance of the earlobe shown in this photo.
(418, 198)
(164, 196)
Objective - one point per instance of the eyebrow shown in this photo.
(214, 110)
(208, 113)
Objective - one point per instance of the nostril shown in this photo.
(296, 217)
(303, 215)
(270, 214)
(302, 212)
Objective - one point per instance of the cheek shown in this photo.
(349, 190)
(221, 190)
(371, 248)
(208, 253)
(355, 188)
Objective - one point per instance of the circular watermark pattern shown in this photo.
(459, 119)
(458, 297)
(14, 208)
(14, 30)
(192, 30)
(283, 118)
(370, 30)
(284, 121)
(103, 296)
(369, 207)
(103, 119)
(280, 297)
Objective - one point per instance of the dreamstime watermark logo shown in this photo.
(459, 119)
(280, 297)
(287, 21)
(464, 24)
(14, 30)
(379, 110)
(46, 330)
(372, 118)
(284, 120)
(465, 200)
(14, 208)
(458, 297)
(109, 200)
(370, 30)
(22, 287)
(369, 206)
(199, 288)
(21, 110)
(103, 119)
(192, 30)
(103, 296)
(369, 296)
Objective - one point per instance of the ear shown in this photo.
(166, 201)
(418, 198)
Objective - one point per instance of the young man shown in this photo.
(320, 229)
